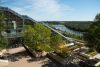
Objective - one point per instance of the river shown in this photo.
(65, 29)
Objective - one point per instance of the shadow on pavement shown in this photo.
(17, 56)
(49, 64)
(33, 59)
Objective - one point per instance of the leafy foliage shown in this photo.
(65, 52)
(2, 23)
(97, 18)
(56, 40)
(59, 45)
(28, 36)
(3, 41)
(93, 35)
(37, 37)
(78, 25)
(41, 38)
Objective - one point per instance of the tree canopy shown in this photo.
(93, 35)
(1, 20)
(97, 17)
(3, 41)
(56, 39)
(37, 37)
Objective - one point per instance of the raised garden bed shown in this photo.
(60, 61)
(35, 53)
(59, 54)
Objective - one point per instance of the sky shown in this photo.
(55, 10)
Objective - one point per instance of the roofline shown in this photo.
(10, 10)
(21, 16)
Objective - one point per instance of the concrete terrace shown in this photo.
(18, 57)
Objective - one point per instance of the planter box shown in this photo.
(59, 61)
(29, 51)
(36, 54)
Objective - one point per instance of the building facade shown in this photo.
(14, 24)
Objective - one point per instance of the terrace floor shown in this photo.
(18, 57)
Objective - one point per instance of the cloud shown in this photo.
(48, 9)
(41, 9)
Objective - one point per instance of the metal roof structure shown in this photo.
(10, 10)
(29, 18)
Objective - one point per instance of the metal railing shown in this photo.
(10, 35)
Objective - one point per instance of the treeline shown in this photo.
(52, 22)
(79, 25)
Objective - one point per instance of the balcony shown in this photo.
(12, 34)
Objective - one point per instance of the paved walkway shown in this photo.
(19, 58)
(16, 50)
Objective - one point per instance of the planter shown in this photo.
(59, 61)
(35, 53)
(40, 53)
(59, 54)
(29, 52)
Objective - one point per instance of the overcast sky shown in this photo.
(55, 10)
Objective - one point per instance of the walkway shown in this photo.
(19, 58)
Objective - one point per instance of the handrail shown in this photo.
(70, 39)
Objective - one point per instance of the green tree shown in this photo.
(3, 42)
(97, 17)
(58, 44)
(1, 21)
(28, 36)
(56, 39)
(37, 37)
(93, 35)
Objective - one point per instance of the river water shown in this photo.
(65, 29)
